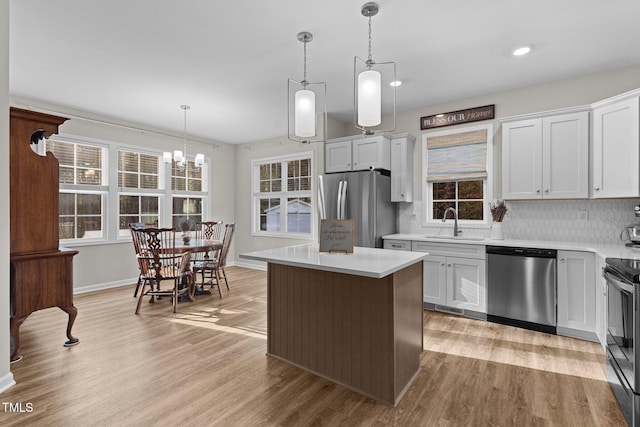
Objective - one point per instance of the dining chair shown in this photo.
(142, 264)
(206, 230)
(212, 268)
(164, 263)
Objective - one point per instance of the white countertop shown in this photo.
(605, 251)
(368, 262)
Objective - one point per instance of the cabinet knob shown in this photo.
(546, 191)
(597, 188)
(562, 260)
(442, 264)
(538, 190)
(449, 265)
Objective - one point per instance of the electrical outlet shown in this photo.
(583, 216)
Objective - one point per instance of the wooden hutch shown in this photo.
(41, 272)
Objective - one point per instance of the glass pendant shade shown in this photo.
(178, 157)
(374, 93)
(306, 105)
(305, 113)
(369, 99)
(199, 162)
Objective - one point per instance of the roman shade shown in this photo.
(459, 156)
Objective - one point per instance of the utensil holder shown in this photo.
(496, 231)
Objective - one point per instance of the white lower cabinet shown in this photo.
(453, 281)
(434, 279)
(577, 295)
(601, 302)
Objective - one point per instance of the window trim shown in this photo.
(487, 186)
(283, 195)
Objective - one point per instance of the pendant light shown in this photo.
(305, 102)
(179, 156)
(373, 86)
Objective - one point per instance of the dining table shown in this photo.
(195, 246)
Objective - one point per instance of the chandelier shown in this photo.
(180, 156)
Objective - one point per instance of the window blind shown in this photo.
(460, 156)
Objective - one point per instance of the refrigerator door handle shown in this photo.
(339, 209)
(343, 213)
(321, 204)
(372, 211)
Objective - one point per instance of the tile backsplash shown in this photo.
(554, 220)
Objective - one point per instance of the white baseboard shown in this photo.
(6, 382)
(262, 267)
(576, 333)
(102, 286)
(126, 282)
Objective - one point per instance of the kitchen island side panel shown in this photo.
(408, 324)
(342, 327)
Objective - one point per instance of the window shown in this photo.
(83, 189)
(187, 186)
(186, 212)
(456, 173)
(105, 186)
(466, 197)
(282, 202)
(139, 183)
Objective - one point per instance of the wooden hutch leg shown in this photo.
(72, 311)
(15, 335)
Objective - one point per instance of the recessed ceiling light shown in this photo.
(395, 83)
(522, 51)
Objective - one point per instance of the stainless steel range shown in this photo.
(623, 333)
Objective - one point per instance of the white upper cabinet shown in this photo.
(402, 146)
(337, 156)
(616, 148)
(373, 152)
(546, 156)
(522, 159)
(357, 153)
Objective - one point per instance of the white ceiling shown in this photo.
(230, 59)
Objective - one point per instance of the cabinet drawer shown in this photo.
(449, 249)
(399, 245)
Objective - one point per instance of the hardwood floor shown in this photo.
(206, 366)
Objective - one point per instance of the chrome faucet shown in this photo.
(455, 219)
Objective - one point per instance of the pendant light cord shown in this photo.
(304, 75)
(370, 58)
(185, 108)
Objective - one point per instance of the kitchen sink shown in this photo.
(475, 238)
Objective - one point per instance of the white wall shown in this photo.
(6, 377)
(98, 266)
(245, 153)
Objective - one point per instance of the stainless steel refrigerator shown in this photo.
(364, 197)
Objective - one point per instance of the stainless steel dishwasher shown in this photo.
(521, 287)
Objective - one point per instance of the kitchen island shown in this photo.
(355, 319)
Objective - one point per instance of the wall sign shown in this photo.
(457, 117)
(336, 235)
